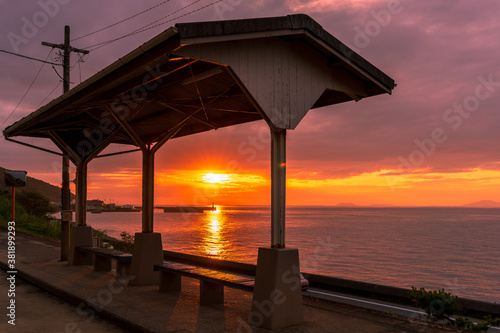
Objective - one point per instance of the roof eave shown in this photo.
(134, 54)
(218, 31)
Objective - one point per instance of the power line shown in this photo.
(142, 28)
(29, 88)
(41, 103)
(128, 18)
(148, 26)
(23, 56)
(78, 61)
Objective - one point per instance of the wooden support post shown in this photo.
(278, 187)
(65, 208)
(81, 193)
(148, 179)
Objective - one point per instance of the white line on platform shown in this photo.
(377, 306)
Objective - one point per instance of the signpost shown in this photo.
(14, 179)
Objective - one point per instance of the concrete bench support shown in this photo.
(103, 257)
(212, 281)
(123, 268)
(170, 281)
(211, 293)
(80, 236)
(102, 264)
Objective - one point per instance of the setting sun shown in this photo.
(215, 178)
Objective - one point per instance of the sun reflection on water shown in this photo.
(214, 242)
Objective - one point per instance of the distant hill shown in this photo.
(483, 204)
(36, 185)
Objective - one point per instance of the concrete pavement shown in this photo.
(92, 296)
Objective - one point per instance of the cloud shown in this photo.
(436, 50)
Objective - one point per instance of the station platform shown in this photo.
(103, 303)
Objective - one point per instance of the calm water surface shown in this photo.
(453, 248)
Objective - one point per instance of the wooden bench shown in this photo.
(212, 281)
(103, 257)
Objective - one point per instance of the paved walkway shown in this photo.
(91, 295)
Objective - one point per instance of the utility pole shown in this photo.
(66, 213)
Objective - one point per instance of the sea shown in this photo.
(457, 249)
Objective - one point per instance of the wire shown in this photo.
(128, 18)
(23, 56)
(99, 45)
(80, 59)
(40, 104)
(148, 26)
(143, 28)
(29, 88)
(57, 73)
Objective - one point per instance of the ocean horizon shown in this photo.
(455, 248)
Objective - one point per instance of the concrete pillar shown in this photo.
(148, 248)
(80, 236)
(65, 234)
(148, 251)
(277, 296)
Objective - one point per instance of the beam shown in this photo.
(118, 153)
(170, 134)
(33, 146)
(148, 174)
(189, 63)
(208, 123)
(130, 131)
(278, 187)
(59, 142)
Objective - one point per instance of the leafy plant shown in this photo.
(479, 327)
(492, 321)
(462, 322)
(28, 222)
(469, 325)
(35, 203)
(126, 244)
(437, 303)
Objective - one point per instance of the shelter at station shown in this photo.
(197, 77)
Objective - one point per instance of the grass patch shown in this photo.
(29, 221)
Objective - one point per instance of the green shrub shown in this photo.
(126, 244)
(492, 321)
(27, 222)
(35, 203)
(436, 303)
(469, 325)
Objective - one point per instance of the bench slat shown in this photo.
(234, 280)
(113, 254)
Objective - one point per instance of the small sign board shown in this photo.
(15, 178)
(67, 215)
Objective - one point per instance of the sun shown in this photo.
(215, 178)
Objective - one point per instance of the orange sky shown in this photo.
(253, 188)
(434, 142)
